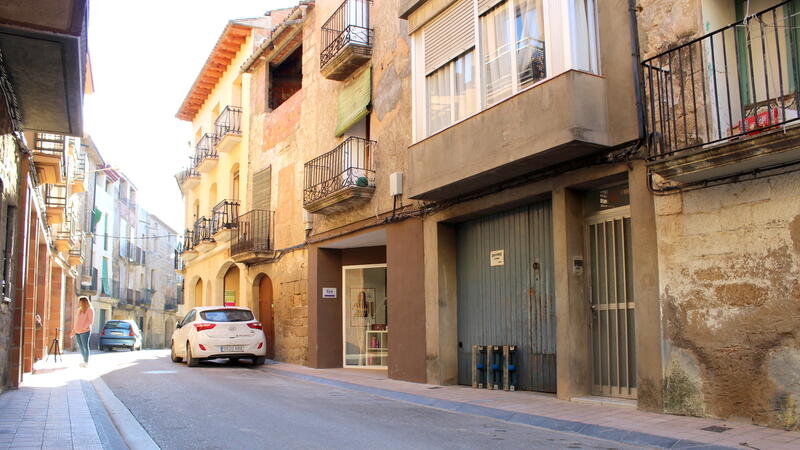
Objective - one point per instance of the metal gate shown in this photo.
(506, 292)
(611, 291)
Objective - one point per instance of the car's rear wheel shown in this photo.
(259, 360)
(133, 347)
(173, 356)
(191, 362)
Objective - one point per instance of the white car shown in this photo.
(211, 332)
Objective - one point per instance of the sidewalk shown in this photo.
(608, 421)
(56, 408)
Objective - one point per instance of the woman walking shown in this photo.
(83, 326)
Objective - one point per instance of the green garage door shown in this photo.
(505, 292)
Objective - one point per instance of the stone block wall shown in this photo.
(729, 259)
(9, 194)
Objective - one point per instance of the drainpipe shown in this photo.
(637, 69)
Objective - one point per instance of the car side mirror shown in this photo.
(178, 324)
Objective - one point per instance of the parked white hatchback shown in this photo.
(211, 332)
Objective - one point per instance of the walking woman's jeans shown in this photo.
(83, 343)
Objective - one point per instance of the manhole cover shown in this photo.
(716, 429)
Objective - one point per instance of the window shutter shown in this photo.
(449, 35)
(485, 5)
(262, 189)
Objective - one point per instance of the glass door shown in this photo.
(365, 325)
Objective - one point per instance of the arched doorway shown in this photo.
(266, 312)
(230, 289)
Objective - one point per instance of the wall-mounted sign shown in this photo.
(497, 258)
(230, 298)
(328, 292)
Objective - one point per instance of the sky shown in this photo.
(145, 56)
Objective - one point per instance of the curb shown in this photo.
(585, 429)
(129, 428)
(109, 436)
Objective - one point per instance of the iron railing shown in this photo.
(229, 121)
(206, 147)
(77, 253)
(79, 169)
(178, 259)
(145, 297)
(737, 81)
(48, 143)
(171, 304)
(253, 233)
(225, 215)
(349, 164)
(202, 230)
(55, 195)
(189, 172)
(348, 25)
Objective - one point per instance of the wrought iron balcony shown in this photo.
(225, 215)
(206, 152)
(228, 128)
(55, 201)
(178, 263)
(145, 297)
(252, 239)
(714, 94)
(109, 288)
(49, 156)
(341, 178)
(347, 40)
(189, 177)
(203, 234)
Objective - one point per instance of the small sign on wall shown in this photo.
(497, 258)
(328, 292)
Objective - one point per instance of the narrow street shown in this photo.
(220, 405)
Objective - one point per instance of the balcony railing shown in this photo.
(349, 164)
(225, 215)
(55, 195)
(229, 121)
(48, 143)
(348, 25)
(206, 147)
(738, 81)
(202, 230)
(109, 288)
(189, 172)
(253, 233)
(145, 297)
(178, 260)
(188, 241)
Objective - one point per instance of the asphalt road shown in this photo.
(221, 406)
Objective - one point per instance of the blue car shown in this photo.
(121, 333)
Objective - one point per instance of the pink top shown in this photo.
(83, 320)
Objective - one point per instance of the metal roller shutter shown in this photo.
(512, 303)
(449, 35)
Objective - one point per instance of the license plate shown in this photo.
(116, 333)
(231, 348)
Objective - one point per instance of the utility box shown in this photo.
(396, 184)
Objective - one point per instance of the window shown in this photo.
(513, 47)
(227, 315)
(476, 53)
(451, 92)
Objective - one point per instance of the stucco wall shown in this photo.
(729, 260)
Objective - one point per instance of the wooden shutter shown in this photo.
(485, 5)
(262, 189)
(449, 35)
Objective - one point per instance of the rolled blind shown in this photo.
(485, 5)
(449, 35)
(262, 187)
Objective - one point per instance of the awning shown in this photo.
(354, 102)
(96, 216)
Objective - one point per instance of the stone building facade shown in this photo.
(727, 204)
